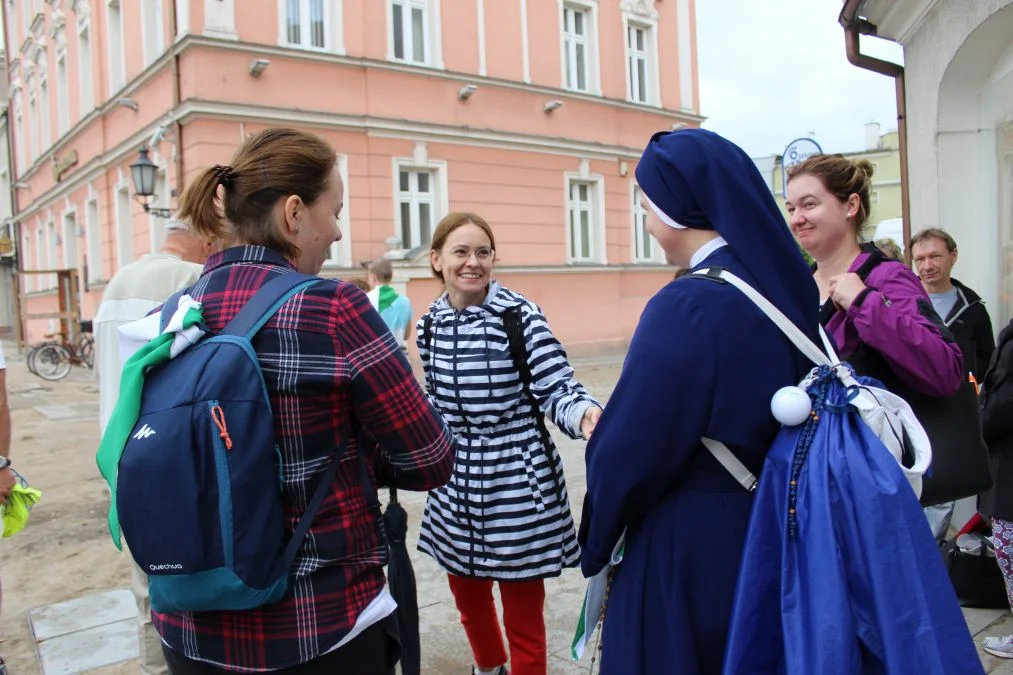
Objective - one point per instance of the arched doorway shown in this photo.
(975, 160)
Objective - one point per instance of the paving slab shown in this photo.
(85, 633)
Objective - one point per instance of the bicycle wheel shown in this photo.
(52, 362)
(86, 350)
(33, 352)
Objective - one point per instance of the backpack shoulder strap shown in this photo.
(427, 333)
(513, 324)
(875, 258)
(266, 301)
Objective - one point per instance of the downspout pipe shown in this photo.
(854, 26)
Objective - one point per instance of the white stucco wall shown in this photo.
(953, 119)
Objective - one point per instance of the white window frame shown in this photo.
(62, 94)
(183, 18)
(116, 47)
(638, 219)
(591, 56)
(874, 197)
(93, 233)
(45, 124)
(432, 47)
(33, 120)
(152, 30)
(334, 35)
(340, 253)
(69, 236)
(596, 220)
(124, 218)
(85, 63)
(438, 189)
(40, 250)
(20, 151)
(652, 87)
(156, 224)
(52, 242)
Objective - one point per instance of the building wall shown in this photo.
(92, 80)
(959, 61)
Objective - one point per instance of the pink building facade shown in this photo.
(530, 112)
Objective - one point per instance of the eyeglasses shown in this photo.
(481, 254)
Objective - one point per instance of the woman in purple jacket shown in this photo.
(879, 314)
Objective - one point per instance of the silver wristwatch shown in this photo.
(4, 462)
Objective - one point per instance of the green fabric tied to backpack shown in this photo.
(182, 331)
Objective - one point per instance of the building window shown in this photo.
(45, 130)
(114, 25)
(874, 197)
(584, 221)
(33, 121)
(416, 201)
(40, 256)
(645, 249)
(84, 69)
(182, 17)
(62, 95)
(579, 21)
(152, 18)
(156, 225)
(124, 227)
(52, 254)
(340, 252)
(94, 241)
(641, 63)
(306, 23)
(20, 151)
(69, 240)
(410, 30)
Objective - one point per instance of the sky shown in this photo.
(774, 70)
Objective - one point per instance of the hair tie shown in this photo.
(224, 174)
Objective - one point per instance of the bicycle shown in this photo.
(53, 359)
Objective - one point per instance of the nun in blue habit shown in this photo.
(703, 362)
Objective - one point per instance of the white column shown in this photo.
(526, 58)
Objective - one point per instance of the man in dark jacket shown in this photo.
(997, 428)
(934, 253)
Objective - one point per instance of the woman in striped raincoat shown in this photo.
(504, 516)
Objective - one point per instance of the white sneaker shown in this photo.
(999, 646)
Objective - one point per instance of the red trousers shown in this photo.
(523, 618)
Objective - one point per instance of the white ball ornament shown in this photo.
(791, 406)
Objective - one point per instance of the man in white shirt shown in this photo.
(131, 294)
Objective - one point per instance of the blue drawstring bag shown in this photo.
(840, 573)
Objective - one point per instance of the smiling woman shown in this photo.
(494, 370)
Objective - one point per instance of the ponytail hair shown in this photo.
(238, 200)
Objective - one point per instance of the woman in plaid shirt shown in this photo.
(333, 372)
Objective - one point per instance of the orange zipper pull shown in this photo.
(218, 415)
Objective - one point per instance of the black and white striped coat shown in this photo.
(505, 513)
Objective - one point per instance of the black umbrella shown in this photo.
(401, 579)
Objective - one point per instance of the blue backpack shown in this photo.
(199, 481)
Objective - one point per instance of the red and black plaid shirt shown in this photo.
(333, 371)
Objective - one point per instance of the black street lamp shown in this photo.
(143, 172)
